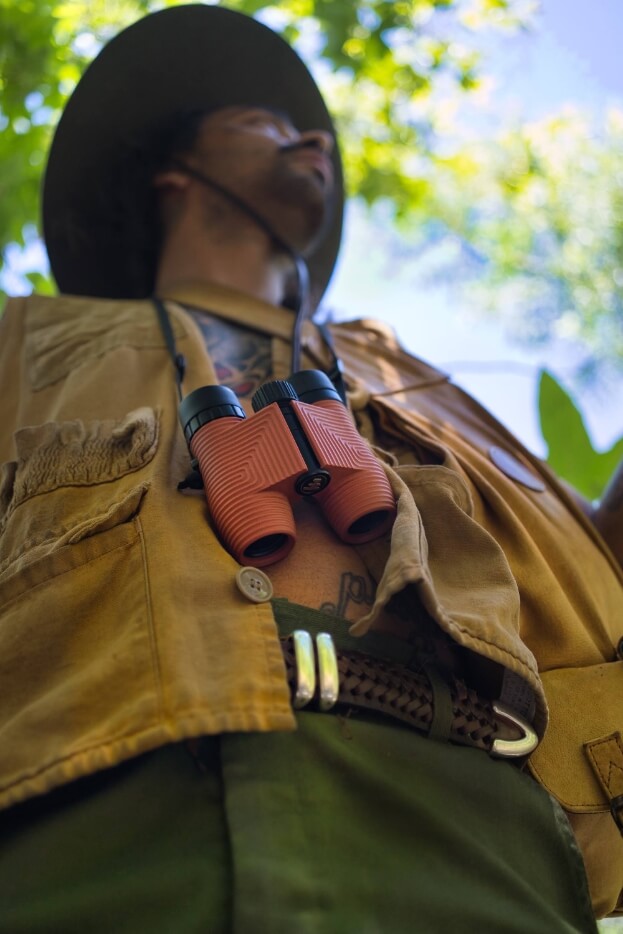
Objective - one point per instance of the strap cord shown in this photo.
(179, 360)
(336, 373)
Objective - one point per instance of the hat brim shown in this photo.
(173, 61)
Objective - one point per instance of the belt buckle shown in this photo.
(322, 661)
(513, 748)
(305, 668)
(328, 673)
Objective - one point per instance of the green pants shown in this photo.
(345, 826)
(351, 824)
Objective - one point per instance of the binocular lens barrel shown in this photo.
(370, 522)
(267, 545)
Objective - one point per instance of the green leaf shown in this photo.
(42, 284)
(570, 450)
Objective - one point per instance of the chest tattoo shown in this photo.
(242, 358)
(354, 589)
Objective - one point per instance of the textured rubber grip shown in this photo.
(358, 503)
(248, 468)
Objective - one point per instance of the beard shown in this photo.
(298, 206)
(292, 203)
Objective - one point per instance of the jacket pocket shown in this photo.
(585, 706)
(70, 481)
(77, 651)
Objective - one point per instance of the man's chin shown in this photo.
(310, 247)
(306, 233)
(306, 212)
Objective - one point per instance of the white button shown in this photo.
(515, 469)
(254, 584)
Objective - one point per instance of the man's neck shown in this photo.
(245, 262)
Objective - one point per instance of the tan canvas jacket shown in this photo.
(121, 628)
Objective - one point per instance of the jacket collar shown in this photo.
(228, 303)
(369, 348)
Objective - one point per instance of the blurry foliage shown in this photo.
(379, 62)
(44, 46)
(538, 219)
(570, 451)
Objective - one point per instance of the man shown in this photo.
(168, 760)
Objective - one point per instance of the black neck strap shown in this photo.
(179, 360)
(335, 374)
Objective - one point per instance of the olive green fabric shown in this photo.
(366, 826)
(347, 825)
(142, 847)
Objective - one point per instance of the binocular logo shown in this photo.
(300, 442)
(311, 485)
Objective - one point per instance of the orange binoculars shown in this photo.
(300, 442)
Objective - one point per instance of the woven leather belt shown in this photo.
(322, 675)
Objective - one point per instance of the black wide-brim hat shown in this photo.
(171, 62)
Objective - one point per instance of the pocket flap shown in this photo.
(78, 453)
(585, 705)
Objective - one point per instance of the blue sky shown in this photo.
(572, 57)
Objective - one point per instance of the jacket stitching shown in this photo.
(76, 567)
(153, 639)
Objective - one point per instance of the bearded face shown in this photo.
(284, 176)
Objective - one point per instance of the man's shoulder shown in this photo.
(45, 317)
(364, 330)
(70, 304)
(372, 351)
(55, 334)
